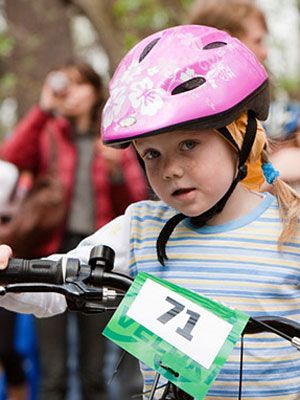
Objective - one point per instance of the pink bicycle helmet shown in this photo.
(182, 75)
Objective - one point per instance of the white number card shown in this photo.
(192, 329)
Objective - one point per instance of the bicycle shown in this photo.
(94, 288)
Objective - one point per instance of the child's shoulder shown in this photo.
(272, 221)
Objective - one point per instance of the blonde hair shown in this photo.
(288, 199)
(227, 15)
(289, 206)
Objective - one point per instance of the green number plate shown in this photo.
(165, 325)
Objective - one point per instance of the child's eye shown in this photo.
(188, 144)
(151, 154)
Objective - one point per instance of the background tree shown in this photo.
(40, 41)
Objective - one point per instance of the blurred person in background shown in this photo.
(246, 21)
(99, 184)
(11, 361)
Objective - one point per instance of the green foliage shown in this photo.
(6, 45)
(7, 79)
(290, 86)
(7, 84)
(187, 3)
(141, 17)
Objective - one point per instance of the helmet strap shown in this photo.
(202, 219)
(243, 153)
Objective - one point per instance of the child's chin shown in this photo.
(189, 214)
(192, 214)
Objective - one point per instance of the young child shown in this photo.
(189, 99)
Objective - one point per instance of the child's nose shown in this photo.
(172, 169)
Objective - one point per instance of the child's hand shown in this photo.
(5, 254)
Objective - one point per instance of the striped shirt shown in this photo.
(237, 263)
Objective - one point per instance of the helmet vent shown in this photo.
(189, 85)
(148, 48)
(214, 45)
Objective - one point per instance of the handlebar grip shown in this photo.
(24, 271)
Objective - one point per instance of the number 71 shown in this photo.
(186, 331)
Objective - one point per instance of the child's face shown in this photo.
(188, 170)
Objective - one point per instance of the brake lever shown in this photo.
(32, 288)
(79, 296)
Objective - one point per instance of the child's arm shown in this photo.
(39, 304)
(116, 234)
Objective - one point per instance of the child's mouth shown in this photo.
(182, 192)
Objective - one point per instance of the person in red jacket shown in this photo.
(99, 184)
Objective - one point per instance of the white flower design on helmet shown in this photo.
(187, 74)
(130, 73)
(152, 71)
(113, 107)
(144, 97)
(189, 40)
(220, 73)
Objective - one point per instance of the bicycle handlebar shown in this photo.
(84, 286)
(61, 271)
(91, 288)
